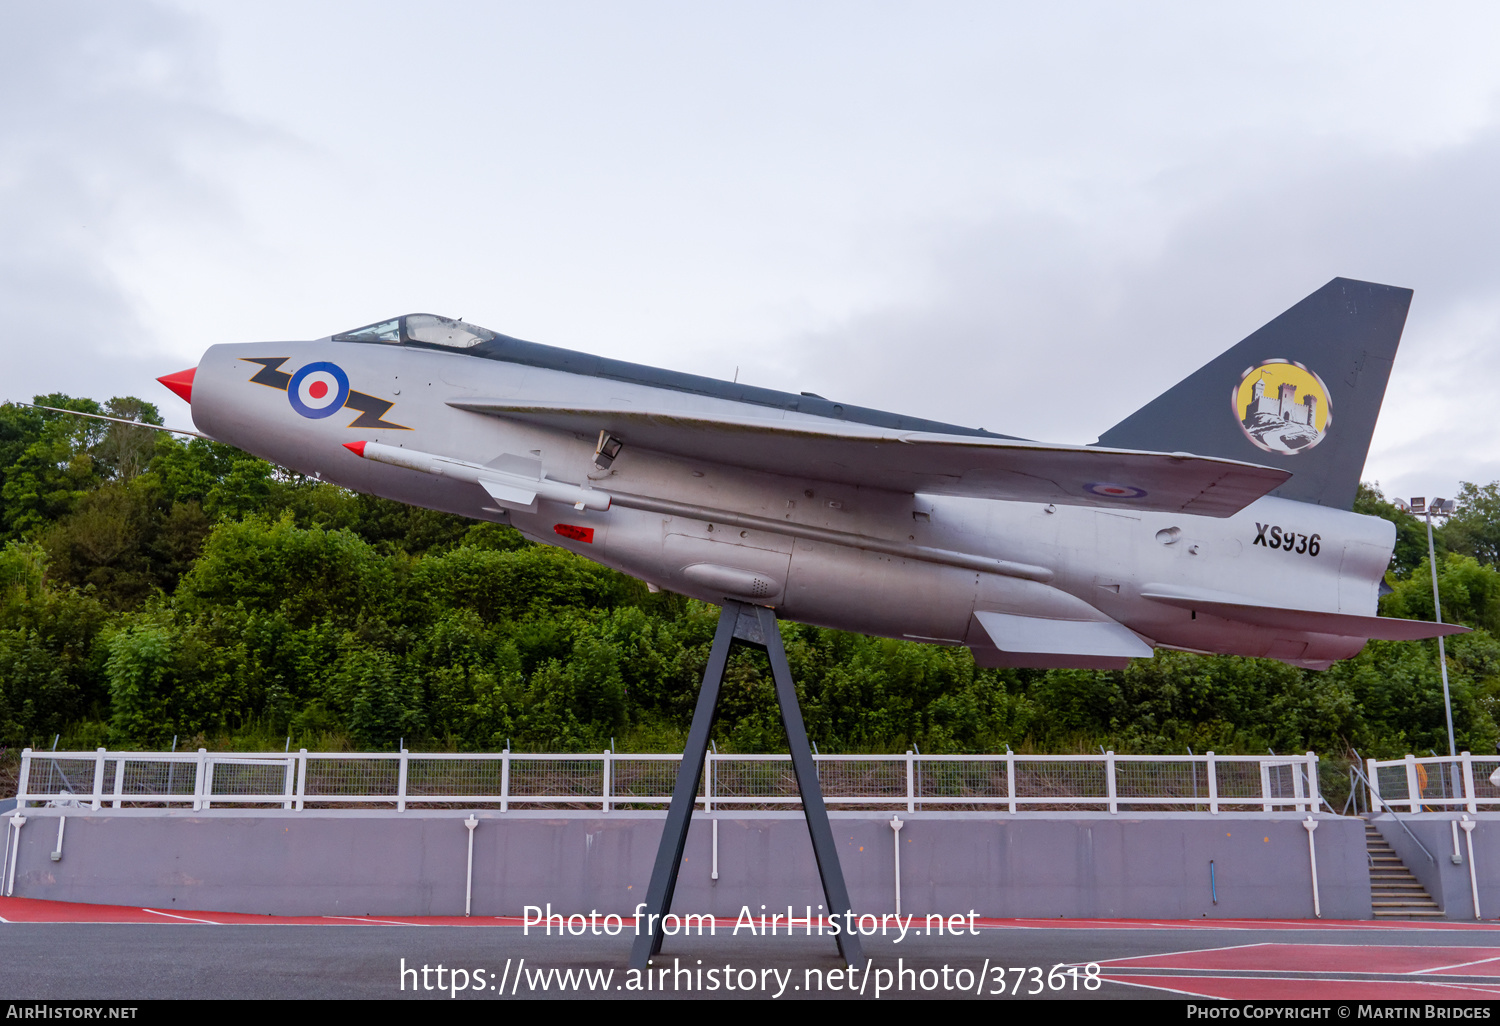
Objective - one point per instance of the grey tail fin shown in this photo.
(1301, 394)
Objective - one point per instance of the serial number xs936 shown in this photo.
(1289, 541)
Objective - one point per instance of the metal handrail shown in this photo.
(1377, 796)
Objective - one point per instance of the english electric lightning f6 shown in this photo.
(1214, 519)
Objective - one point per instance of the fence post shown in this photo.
(505, 780)
(401, 766)
(301, 778)
(1213, 784)
(1413, 790)
(911, 784)
(289, 782)
(1109, 781)
(606, 768)
(1010, 778)
(200, 782)
(98, 802)
(1467, 761)
(1314, 790)
(1265, 786)
(708, 784)
(119, 778)
(25, 781)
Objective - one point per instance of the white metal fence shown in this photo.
(1013, 783)
(1435, 785)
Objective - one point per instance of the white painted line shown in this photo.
(186, 919)
(1459, 965)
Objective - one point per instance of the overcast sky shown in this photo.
(1027, 217)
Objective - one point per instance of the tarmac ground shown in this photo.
(56, 951)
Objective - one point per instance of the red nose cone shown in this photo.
(358, 448)
(181, 383)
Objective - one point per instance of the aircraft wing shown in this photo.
(1348, 625)
(935, 464)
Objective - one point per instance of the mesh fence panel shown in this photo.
(746, 778)
(644, 778)
(458, 778)
(949, 782)
(347, 778)
(1238, 780)
(1484, 790)
(1060, 780)
(557, 778)
(1392, 783)
(1435, 780)
(1161, 780)
(56, 776)
(263, 778)
(869, 779)
(164, 778)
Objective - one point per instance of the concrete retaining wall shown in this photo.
(1446, 880)
(1138, 865)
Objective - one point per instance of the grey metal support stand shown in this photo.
(754, 626)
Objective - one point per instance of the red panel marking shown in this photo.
(318, 389)
(583, 534)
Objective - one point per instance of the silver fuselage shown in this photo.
(794, 542)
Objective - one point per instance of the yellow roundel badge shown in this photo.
(1282, 407)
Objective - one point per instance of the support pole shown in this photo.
(754, 626)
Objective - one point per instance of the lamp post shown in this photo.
(1442, 508)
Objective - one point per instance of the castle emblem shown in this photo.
(1282, 407)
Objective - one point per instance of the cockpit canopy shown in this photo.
(420, 329)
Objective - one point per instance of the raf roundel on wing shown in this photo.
(318, 390)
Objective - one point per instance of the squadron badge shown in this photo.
(1282, 407)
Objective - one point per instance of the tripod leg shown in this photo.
(824, 849)
(684, 796)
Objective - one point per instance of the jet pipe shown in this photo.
(459, 470)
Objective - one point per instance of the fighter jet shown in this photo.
(1215, 519)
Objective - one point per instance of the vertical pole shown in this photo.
(301, 778)
(289, 784)
(1213, 783)
(1010, 777)
(1413, 789)
(1314, 789)
(1468, 768)
(200, 782)
(911, 788)
(98, 802)
(824, 849)
(1109, 782)
(401, 764)
(684, 796)
(505, 780)
(604, 772)
(119, 779)
(708, 789)
(25, 781)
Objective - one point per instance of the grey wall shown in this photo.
(1134, 865)
(1447, 881)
